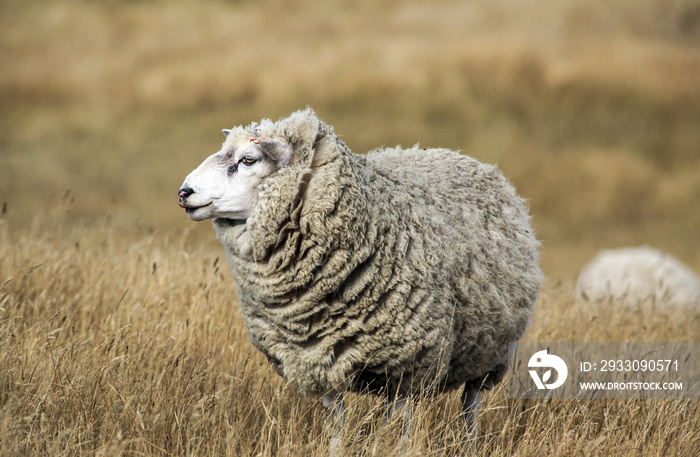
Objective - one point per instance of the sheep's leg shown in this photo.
(334, 411)
(471, 403)
(401, 405)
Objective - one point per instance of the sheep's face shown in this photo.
(227, 183)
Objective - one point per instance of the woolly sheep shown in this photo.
(637, 275)
(397, 273)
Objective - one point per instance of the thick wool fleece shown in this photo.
(402, 269)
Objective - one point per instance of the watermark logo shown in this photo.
(611, 370)
(542, 359)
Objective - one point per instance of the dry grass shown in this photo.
(119, 341)
(590, 107)
(119, 327)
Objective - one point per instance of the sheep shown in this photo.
(398, 273)
(635, 276)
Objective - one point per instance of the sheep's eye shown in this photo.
(248, 160)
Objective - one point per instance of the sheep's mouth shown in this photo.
(192, 210)
(189, 208)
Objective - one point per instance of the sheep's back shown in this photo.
(480, 250)
(637, 275)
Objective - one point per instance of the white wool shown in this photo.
(638, 275)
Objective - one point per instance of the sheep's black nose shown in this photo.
(183, 194)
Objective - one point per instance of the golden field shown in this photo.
(120, 332)
(124, 342)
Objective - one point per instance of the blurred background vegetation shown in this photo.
(590, 107)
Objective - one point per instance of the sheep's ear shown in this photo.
(279, 151)
(226, 132)
(301, 128)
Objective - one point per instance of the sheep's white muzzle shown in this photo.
(195, 210)
(198, 213)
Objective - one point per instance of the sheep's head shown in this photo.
(227, 183)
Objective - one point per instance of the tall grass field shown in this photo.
(120, 329)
